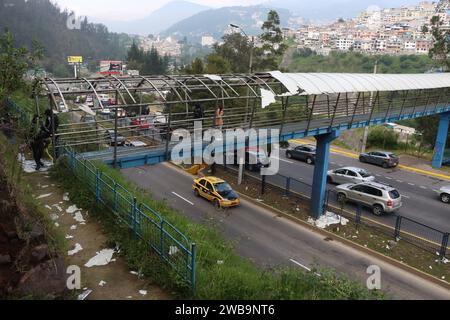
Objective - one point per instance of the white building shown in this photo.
(208, 41)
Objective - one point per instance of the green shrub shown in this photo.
(382, 137)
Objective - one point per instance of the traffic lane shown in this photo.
(269, 240)
(419, 203)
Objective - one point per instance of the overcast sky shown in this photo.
(133, 9)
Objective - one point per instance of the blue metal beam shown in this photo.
(441, 140)
(320, 172)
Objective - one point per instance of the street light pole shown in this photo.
(366, 129)
(252, 45)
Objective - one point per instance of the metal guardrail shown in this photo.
(403, 228)
(22, 116)
(148, 225)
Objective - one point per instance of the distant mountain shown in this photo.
(334, 9)
(215, 22)
(158, 20)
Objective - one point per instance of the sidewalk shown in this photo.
(103, 270)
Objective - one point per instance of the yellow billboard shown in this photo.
(75, 59)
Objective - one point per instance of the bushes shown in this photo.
(382, 137)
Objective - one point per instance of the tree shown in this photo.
(236, 50)
(196, 67)
(441, 36)
(14, 62)
(273, 47)
(217, 64)
(147, 63)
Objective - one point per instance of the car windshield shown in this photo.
(392, 155)
(223, 188)
(364, 173)
(394, 194)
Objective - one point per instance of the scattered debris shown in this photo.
(101, 283)
(54, 216)
(219, 262)
(48, 207)
(101, 259)
(29, 166)
(327, 220)
(69, 237)
(57, 224)
(72, 209)
(143, 292)
(44, 196)
(134, 273)
(79, 217)
(58, 207)
(74, 227)
(66, 196)
(84, 295)
(77, 249)
(173, 250)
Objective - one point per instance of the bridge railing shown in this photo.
(146, 224)
(399, 228)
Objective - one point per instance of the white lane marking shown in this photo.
(424, 188)
(407, 197)
(287, 161)
(411, 184)
(176, 194)
(399, 181)
(388, 178)
(299, 264)
(378, 175)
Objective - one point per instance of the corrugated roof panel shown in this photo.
(329, 83)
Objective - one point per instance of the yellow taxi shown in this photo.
(217, 191)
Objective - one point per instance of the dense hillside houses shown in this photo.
(374, 31)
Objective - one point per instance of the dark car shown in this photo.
(305, 153)
(381, 158)
(110, 138)
(255, 159)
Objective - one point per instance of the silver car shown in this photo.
(444, 194)
(349, 175)
(381, 198)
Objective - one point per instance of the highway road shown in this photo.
(269, 240)
(420, 201)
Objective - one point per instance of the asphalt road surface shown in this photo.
(269, 240)
(420, 201)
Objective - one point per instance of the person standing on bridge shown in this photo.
(199, 115)
(219, 117)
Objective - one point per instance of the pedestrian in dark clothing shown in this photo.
(38, 147)
(199, 113)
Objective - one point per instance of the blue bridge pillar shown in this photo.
(441, 140)
(320, 173)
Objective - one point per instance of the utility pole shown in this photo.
(366, 129)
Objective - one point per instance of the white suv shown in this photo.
(382, 198)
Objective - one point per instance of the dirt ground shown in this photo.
(113, 281)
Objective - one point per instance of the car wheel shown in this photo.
(309, 161)
(445, 198)
(197, 194)
(385, 165)
(329, 179)
(377, 210)
(217, 204)
(341, 198)
(362, 159)
(289, 155)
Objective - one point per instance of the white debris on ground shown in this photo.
(74, 227)
(54, 216)
(48, 207)
(79, 218)
(102, 283)
(29, 166)
(327, 220)
(58, 207)
(101, 259)
(69, 237)
(72, 209)
(56, 224)
(66, 196)
(44, 196)
(77, 249)
(84, 295)
(173, 250)
(134, 273)
(143, 292)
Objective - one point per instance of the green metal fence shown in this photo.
(160, 236)
(22, 116)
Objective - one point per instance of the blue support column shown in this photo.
(320, 172)
(441, 140)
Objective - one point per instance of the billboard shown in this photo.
(74, 59)
(111, 67)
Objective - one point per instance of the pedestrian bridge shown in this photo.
(298, 104)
